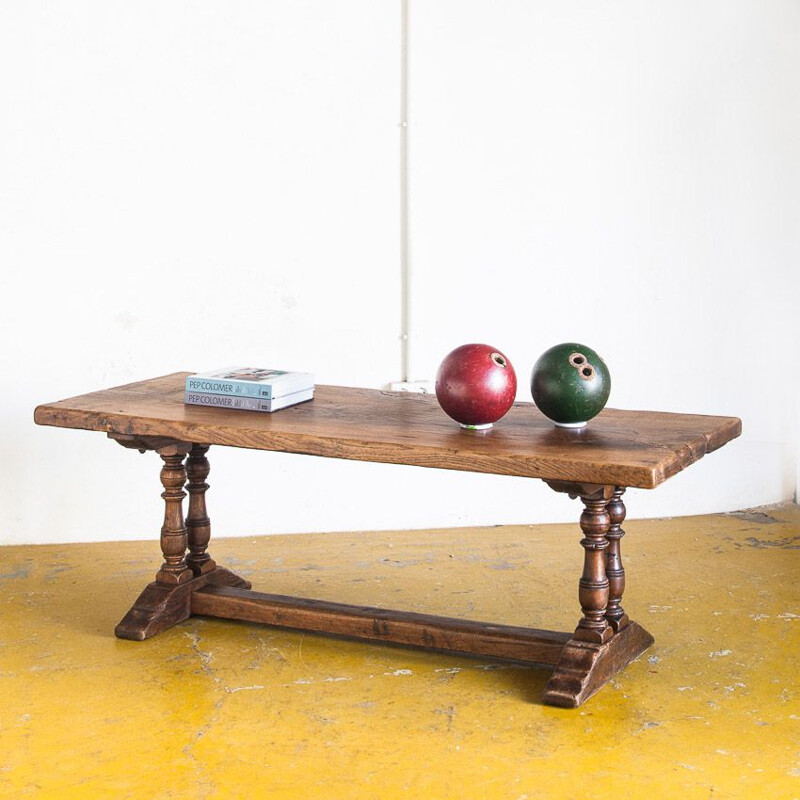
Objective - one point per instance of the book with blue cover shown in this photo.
(244, 403)
(264, 384)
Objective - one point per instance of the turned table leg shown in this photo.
(593, 586)
(615, 572)
(605, 640)
(168, 599)
(174, 570)
(199, 525)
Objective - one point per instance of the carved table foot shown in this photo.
(585, 667)
(158, 607)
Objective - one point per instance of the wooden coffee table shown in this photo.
(618, 449)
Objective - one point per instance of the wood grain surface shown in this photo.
(620, 448)
(399, 627)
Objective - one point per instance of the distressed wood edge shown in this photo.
(378, 452)
(700, 447)
(59, 414)
(720, 437)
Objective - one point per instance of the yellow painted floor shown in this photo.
(224, 710)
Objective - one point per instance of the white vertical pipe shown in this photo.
(797, 450)
(405, 260)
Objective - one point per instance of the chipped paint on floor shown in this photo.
(221, 710)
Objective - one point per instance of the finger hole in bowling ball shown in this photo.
(576, 359)
(587, 373)
(499, 360)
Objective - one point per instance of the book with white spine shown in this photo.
(264, 384)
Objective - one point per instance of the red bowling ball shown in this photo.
(476, 385)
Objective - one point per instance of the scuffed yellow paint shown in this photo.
(222, 710)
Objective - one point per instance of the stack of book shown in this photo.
(249, 388)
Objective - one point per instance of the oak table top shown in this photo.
(622, 448)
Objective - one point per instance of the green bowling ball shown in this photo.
(570, 384)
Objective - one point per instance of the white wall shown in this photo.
(187, 185)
